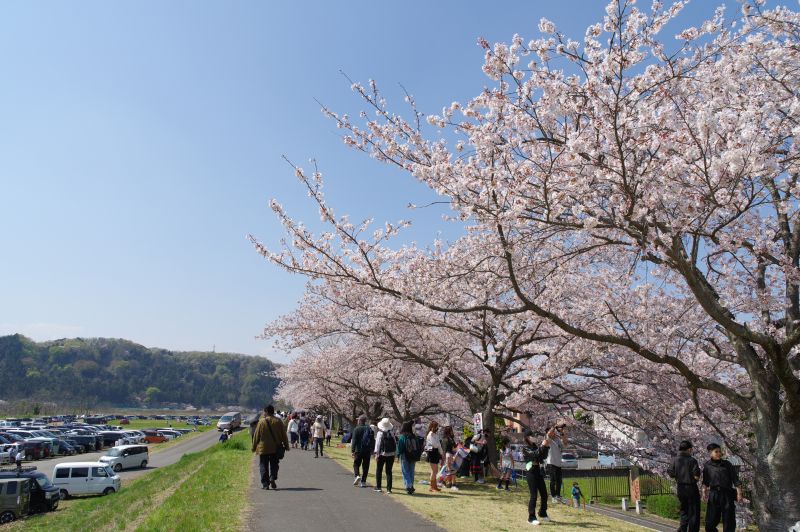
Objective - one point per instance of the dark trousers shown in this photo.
(318, 446)
(384, 462)
(536, 487)
(721, 507)
(555, 480)
(304, 441)
(689, 497)
(363, 463)
(268, 466)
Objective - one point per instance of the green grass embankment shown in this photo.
(202, 491)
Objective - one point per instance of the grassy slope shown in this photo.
(482, 507)
(206, 490)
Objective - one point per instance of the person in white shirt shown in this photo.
(318, 433)
(419, 428)
(294, 427)
(433, 444)
(19, 457)
(385, 450)
(554, 463)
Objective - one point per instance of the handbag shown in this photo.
(281, 452)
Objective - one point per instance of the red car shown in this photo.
(124, 421)
(153, 436)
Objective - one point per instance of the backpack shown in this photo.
(303, 426)
(388, 443)
(367, 442)
(413, 448)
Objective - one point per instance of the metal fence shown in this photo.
(598, 483)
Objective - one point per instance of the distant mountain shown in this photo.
(113, 372)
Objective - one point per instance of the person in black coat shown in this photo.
(722, 488)
(686, 472)
(534, 457)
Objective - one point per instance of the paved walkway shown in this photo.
(318, 494)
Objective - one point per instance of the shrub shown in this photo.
(664, 505)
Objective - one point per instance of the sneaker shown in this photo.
(555, 500)
(481, 481)
(498, 487)
(534, 522)
(507, 489)
(363, 484)
(273, 485)
(389, 492)
(377, 490)
(544, 518)
(265, 486)
(355, 482)
(408, 490)
(454, 488)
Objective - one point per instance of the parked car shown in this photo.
(85, 478)
(7, 453)
(79, 447)
(609, 459)
(124, 421)
(153, 436)
(65, 449)
(126, 457)
(44, 496)
(15, 498)
(91, 442)
(170, 433)
(569, 461)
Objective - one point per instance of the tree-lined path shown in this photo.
(317, 494)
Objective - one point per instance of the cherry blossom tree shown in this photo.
(640, 196)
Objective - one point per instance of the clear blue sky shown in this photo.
(141, 141)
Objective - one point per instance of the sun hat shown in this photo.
(385, 424)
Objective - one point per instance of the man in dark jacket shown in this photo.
(686, 472)
(360, 455)
(269, 436)
(722, 487)
(534, 458)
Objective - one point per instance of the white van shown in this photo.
(126, 457)
(84, 478)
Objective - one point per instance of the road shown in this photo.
(168, 456)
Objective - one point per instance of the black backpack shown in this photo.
(303, 426)
(367, 442)
(413, 448)
(388, 443)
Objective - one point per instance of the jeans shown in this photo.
(304, 441)
(384, 462)
(555, 480)
(407, 467)
(536, 486)
(363, 462)
(689, 497)
(318, 446)
(268, 466)
(721, 507)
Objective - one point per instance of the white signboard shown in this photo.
(477, 422)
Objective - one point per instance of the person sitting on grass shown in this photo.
(577, 495)
(224, 436)
(506, 464)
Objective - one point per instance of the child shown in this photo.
(577, 495)
(507, 464)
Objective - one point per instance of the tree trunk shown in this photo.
(776, 492)
(488, 423)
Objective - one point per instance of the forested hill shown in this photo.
(103, 371)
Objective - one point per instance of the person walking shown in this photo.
(722, 489)
(408, 452)
(294, 430)
(269, 443)
(385, 450)
(361, 448)
(433, 445)
(557, 444)
(318, 432)
(534, 457)
(19, 457)
(686, 472)
(305, 431)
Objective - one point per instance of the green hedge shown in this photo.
(664, 505)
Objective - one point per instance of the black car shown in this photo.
(79, 448)
(90, 442)
(44, 495)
